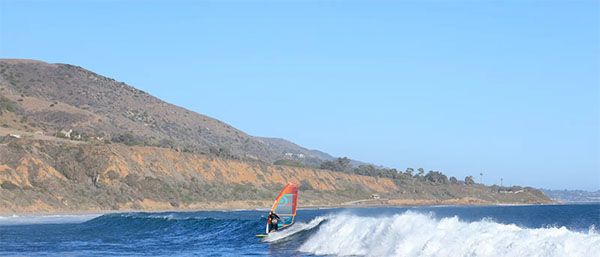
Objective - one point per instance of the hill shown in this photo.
(53, 97)
(72, 140)
(574, 196)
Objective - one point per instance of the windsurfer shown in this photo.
(273, 218)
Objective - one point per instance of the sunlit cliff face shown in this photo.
(45, 176)
(115, 162)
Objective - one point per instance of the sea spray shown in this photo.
(298, 227)
(415, 234)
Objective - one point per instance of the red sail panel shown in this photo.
(285, 205)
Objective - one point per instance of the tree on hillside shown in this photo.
(370, 170)
(222, 152)
(288, 162)
(167, 143)
(367, 169)
(453, 180)
(6, 104)
(339, 164)
(327, 165)
(409, 171)
(469, 180)
(128, 139)
(436, 177)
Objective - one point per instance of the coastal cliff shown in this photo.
(53, 176)
(73, 140)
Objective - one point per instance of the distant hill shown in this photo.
(578, 196)
(298, 153)
(72, 140)
(53, 97)
(295, 152)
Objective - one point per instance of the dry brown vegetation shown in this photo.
(89, 143)
(51, 176)
(54, 97)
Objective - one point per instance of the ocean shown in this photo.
(535, 230)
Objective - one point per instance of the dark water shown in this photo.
(549, 230)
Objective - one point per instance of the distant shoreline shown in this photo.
(305, 207)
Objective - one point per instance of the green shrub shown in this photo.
(288, 162)
(128, 139)
(8, 185)
(305, 185)
(6, 104)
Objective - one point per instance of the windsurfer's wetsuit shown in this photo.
(273, 218)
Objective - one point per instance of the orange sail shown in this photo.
(285, 205)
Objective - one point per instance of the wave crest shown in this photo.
(290, 232)
(414, 234)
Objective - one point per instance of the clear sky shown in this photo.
(505, 88)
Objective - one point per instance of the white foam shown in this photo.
(46, 219)
(413, 234)
(297, 227)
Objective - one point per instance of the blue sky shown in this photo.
(505, 88)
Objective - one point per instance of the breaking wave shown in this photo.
(415, 234)
(364, 232)
(293, 232)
